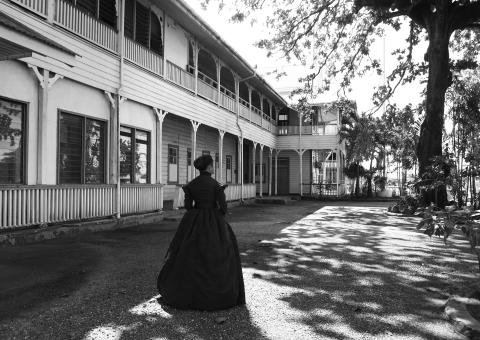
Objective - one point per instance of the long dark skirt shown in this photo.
(202, 268)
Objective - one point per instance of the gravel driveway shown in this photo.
(312, 271)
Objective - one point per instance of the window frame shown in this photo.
(177, 147)
(25, 136)
(96, 16)
(149, 155)
(227, 157)
(105, 147)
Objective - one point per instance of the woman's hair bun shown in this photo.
(202, 162)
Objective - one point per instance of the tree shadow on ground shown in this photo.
(346, 272)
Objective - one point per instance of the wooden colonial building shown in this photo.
(104, 104)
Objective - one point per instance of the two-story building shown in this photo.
(105, 104)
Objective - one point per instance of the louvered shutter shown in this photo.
(142, 24)
(107, 12)
(129, 15)
(155, 34)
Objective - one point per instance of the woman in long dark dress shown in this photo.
(202, 268)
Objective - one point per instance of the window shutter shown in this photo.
(142, 24)
(70, 157)
(129, 15)
(155, 34)
(108, 13)
(89, 6)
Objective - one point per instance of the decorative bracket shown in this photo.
(111, 99)
(44, 83)
(221, 133)
(300, 151)
(261, 147)
(160, 114)
(195, 125)
(277, 152)
(123, 99)
(52, 80)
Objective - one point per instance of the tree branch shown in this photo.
(464, 16)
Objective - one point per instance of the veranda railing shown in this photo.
(142, 56)
(37, 6)
(180, 76)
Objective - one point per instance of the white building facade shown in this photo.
(105, 104)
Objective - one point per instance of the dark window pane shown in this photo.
(107, 12)
(129, 15)
(94, 152)
(11, 148)
(189, 157)
(142, 24)
(155, 34)
(70, 158)
(142, 157)
(89, 6)
(125, 155)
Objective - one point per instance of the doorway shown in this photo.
(283, 185)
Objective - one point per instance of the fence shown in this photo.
(32, 205)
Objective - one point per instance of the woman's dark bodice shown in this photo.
(204, 192)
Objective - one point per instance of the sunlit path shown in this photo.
(337, 273)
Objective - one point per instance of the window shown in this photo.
(103, 10)
(228, 168)
(134, 156)
(143, 26)
(81, 150)
(189, 165)
(12, 130)
(282, 124)
(172, 163)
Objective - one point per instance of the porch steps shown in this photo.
(280, 200)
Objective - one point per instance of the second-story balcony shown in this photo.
(308, 136)
(315, 130)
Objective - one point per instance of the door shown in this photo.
(283, 185)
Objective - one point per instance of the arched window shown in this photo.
(207, 67)
(266, 107)
(143, 26)
(256, 99)
(227, 81)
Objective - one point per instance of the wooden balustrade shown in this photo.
(180, 76)
(207, 91)
(256, 116)
(142, 56)
(83, 24)
(244, 109)
(232, 193)
(37, 6)
(135, 198)
(31, 205)
(227, 102)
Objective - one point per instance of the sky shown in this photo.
(242, 36)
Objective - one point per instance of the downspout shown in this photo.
(119, 92)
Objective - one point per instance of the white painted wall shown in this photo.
(18, 82)
(176, 43)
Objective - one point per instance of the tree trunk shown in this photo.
(439, 79)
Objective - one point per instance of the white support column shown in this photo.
(236, 78)
(45, 82)
(160, 115)
(276, 171)
(250, 103)
(219, 72)
(260, 170)
(253, 164)
(300, 154)
(221, 134)
(270, 165)
(113, 140)
(195, 126)
(196, 50)
(261, 110)
(51, 11)
(338, 155)
(240, 165)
